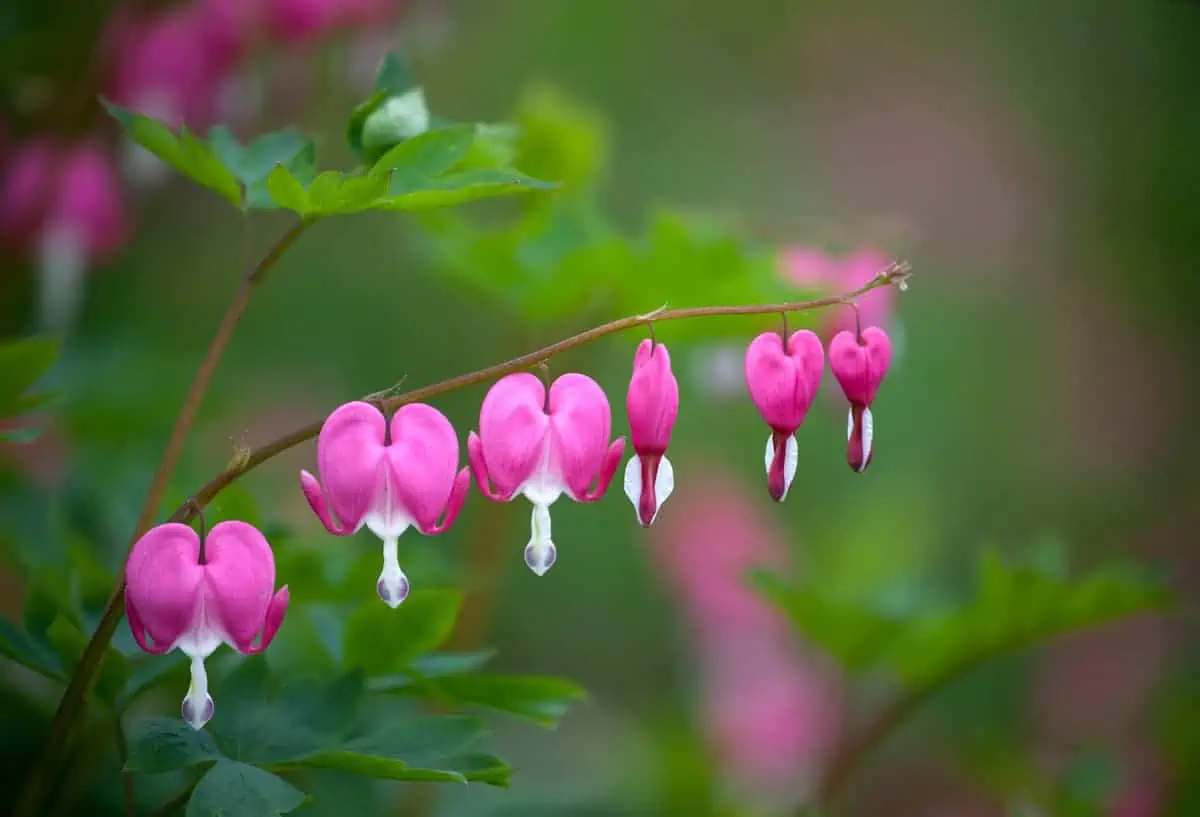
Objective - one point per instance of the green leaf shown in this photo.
(22, 363)
(541, 700)
(69, 643)
(397, 118)
(433, 749)
(852, 634)
(435, 665)
(18, 646)
(252, 163)
(381, 640)
(147, 671)
(232, 789)
(287, 191)
(193, 157)
(1014, 607)
(334, 194)
(165, 744)
(426, 155)
(459, 188)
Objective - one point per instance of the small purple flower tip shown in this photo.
(197, 713)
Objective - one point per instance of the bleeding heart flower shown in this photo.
(543, 446)
(652, 404)
(783, 384)
(194, 593)
(860, 362)
(387, 477)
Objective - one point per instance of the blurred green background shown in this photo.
(1037, 165)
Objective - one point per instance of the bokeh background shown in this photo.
(1036, 163)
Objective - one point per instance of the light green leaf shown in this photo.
(340, 195)
(459, 188)
(232, 789)
(252, 163)
(380, 640)
(426, 155)
(435, 665)
(166, 744)
(192, 157)
(541, 700)
(287, 191)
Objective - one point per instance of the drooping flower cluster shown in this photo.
(536, 441)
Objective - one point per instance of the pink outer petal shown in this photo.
(163, 580)
(241, 579)
(783, 386)
(276, 611)
(349, 451)
(652, 402)
(580, 422)
(423, 457)
(316, 501)
(462, 484)
(608, 467)
(479, 469)
(512, 431)
(860, 369)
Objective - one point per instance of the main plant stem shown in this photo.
(37, 785)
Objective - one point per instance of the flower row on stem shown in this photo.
(537, 439)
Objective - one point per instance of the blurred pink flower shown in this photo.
(305, 21)
(771, 712)
(87, 202)
(1140, 800)
(27, 179)
(171, 66)
(811, 268)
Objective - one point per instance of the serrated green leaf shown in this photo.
(432, 749)
(459, 188)
(252, 163)
(287, 191)
(853, 635)
(189, 155)
(380, 640)
(341, 195)
(426, 155)
(165, 744)
(541, 700)
(232, 789)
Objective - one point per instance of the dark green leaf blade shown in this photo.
(538, 699)
(381, 640)
(22, 364)
(232, 789)
(165, 744)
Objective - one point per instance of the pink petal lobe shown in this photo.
(163, 579)
(349, 451)
(241, 579)
(580, 421)
(608, 467)
(316, 500)
(512, 429)
(652, 402)
(479, 469)
(462, 484)
(276, 611)
(784, 385)
(423, 457)
(138, 628)
(860, 367)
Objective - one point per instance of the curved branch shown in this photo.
(896, 274)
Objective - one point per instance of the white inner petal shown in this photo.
(540, 553)
(387, 519)
(544, 485)
(633, 481)
(868, 437)
(850, 424)
(197, 705)
(664, 484)
(393, 584)
(791, 459)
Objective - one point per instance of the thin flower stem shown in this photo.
(128, 798)
(39, 781)
(35, 789)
